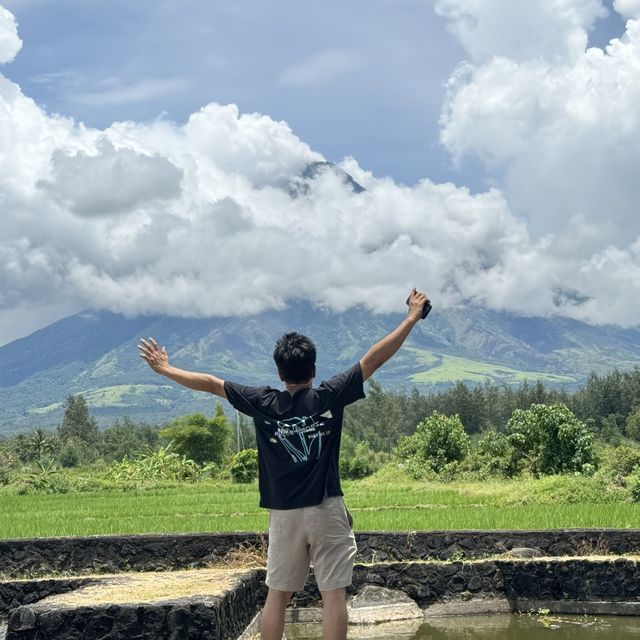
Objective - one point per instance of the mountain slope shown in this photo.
(94, 353)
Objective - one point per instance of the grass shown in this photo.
(453, 369)
(387, 501)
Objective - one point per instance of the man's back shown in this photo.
(298, 437)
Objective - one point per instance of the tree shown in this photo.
(549, 439)
(77, 422)
(126, 438)
(41, 444)
(199, 438)
(437, 441)
(632, 428)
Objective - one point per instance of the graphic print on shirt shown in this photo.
(301, 437)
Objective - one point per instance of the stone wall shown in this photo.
(15, 593)
(110, 554)
(195, 618)
(561, 579)
(613, 584)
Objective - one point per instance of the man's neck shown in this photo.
(292, 388)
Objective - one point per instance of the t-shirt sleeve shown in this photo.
(343, 389)
(247, 400)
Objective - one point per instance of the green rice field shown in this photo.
(377, 503)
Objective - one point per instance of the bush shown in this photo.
(497, 455)
(358, 463)
(46, 477)
(244, 468)
(437, 441)
(620, 460)
(549, 439)
(634, 487)
(162, 464)
(569, 489)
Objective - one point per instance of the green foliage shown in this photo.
(162, 464)
(77, 422)
(569, 489)
(357, 461)
(127, 438)
(199, 438)
(634, 487)
(7, 466)
(244, 467)
(438, 441)
(622, 460)
(632, 427)
(46, 477)
(493, 456)
(549, 439)
(74, 452)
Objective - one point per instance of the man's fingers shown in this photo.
(154, 343)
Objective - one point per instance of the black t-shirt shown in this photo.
(298, 437)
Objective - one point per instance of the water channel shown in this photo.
(495, 627)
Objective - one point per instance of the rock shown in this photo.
(372, 596)
(374, 605)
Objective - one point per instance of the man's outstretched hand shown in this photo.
(155, 356)
(416, 304)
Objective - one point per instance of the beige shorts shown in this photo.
(319, 535)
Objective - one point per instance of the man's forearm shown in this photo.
(386, 348)
(193, 380)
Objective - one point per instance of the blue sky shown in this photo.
(148, 152)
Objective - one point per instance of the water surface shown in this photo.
(494, 627)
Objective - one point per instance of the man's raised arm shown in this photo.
(158, 360)
(389, 345)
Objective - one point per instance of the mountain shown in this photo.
(94, 353)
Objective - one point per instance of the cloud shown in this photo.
(551, 30)
(560, 136)
(10, 43)
(200, 219)
(627, 8)
(110, 180)
(115, 91)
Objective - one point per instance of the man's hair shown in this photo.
(295, 357)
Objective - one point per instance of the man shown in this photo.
(298, 436)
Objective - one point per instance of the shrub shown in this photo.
(244, 468)
(497, 455)
(199, 438)
(162, 464)
(620, 460)
(46, 477)
(549, 439)
(358, 463)
(634, 487)
(437, 441)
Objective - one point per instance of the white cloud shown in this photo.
(10, 43)
(553, 30)
(198, 219)
(562, 138)
(627, 8)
